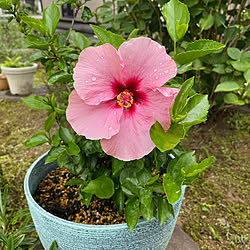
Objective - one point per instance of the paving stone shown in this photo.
(6, 95)
(181, 241)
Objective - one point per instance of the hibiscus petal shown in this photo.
(147, 62)
(133, 140)
(93, 121)
(95, 73)
(159, 102)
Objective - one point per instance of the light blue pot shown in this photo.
(75, 236)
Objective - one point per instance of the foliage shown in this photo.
(15, 63)
(138, 186)
(12, 42)
(20, 238)
(220, 21)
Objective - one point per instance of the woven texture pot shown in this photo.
(20, 79)
(75, 236)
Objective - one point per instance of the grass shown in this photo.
(215, 209)
(216, 206)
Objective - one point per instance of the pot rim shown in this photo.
(28, 69)
(71, 223)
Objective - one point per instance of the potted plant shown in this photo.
(20, 75)
(124, 114)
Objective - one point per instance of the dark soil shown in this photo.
(63, 201)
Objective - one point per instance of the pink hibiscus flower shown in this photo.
(118, 96)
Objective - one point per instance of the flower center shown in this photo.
(125, 99)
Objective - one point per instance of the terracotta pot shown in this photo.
(3, 83)
(75, 236)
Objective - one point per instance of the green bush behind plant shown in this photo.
(224, 21)
(12, 42)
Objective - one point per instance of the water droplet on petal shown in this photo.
(156, 77)
(159, 46)
(110, 128)
(155, 70)
(166, 71)
(86, 81)
(160, 63)
(93, 79)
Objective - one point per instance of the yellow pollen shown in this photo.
(125, 99)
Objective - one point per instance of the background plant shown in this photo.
(223, 21)
(12, 41)
(135, 186)
(15, 228)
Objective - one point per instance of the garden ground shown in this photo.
(215, 209)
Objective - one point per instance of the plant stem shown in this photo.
(72, 24)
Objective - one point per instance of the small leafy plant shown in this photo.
(15, 62)
(122, 111)
(18, 239)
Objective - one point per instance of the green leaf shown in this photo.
(72, 148)
(53, 245)
(231, 98)
(133, 34)
(60, 77)
(160, 158)
(75, 169)
(234, 53)
(53, 154)
(86, 197)
(173, 179)
(177, 18)
(132, 213)
(247, 75)
(117, 166)
(181, 99)
(198, 49)
(5, 4)
(207, 22)
(230, 33)
(35, 24)
(36, 140)
(86, 14)
(62, 159)
(10, 242)
(49, 121)
(196, 110)
(152, 180)
(51, 16)
(62, 2)
(3, 238)
(66, 135)
(227, 86)
(37, 102)
(166, 140)
(102, 187)
(35, 57)
(108, 37)
(18, 240)
(194, 169)
(242, 65)
(147, 212)
(79, 40)
(164, 210)
(37, 42)
(119, 200)
(75, 181)
(145, 196)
